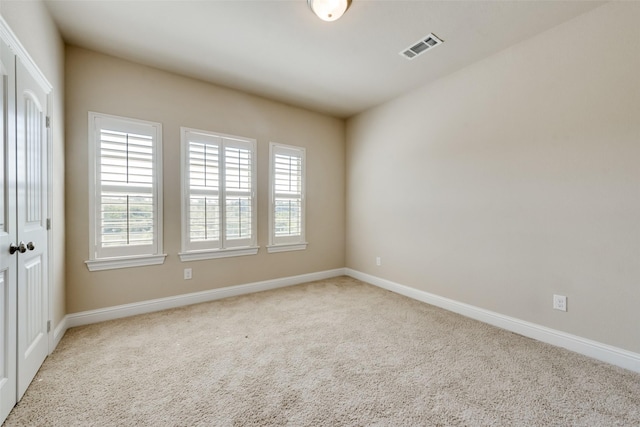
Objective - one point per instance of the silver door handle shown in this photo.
(31, 246)
(20, 248)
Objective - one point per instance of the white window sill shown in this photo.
(217, 253)
(286, 248)
(124, 262)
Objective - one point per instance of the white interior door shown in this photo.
(31, 152)
(8, 234)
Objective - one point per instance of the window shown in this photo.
(286, 198)
(218, 195)
(125, 162)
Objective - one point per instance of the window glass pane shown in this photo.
(238, 217)
(204, 214)
(126, 219)
(114, 219)
(140, 219)
(288, 217)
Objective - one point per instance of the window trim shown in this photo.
(97, 261)
(224, 248)
(286, 244)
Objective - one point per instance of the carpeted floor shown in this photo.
(336, 352)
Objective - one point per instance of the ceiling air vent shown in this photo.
(421, 46)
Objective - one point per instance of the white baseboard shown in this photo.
(126, 310)
(58, 333)
(606, 353)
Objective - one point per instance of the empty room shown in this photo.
(319, 213)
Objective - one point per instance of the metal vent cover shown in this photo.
(421, 46)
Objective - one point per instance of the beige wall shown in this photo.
(513, 179)
(31, 23)
(101, 83)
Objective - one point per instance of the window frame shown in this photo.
(224, 247)
(288, 243)
(124, 256)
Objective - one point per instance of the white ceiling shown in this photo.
(280, 50)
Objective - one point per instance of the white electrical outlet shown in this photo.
(187, 274)
(378, 261)
(560, 302)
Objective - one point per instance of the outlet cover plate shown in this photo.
(560, 302)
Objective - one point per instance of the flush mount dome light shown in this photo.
(329, 10)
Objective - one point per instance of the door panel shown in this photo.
(34, 117)
(8, 378)
(8, 233)
(31, 143)
(33, 302)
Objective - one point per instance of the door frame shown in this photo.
(21, 53)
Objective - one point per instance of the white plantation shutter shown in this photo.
(287, 197)
(203, 192)
(238, 162)
(125, 189)
(218, 193)
(204, 201)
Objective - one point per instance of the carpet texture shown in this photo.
(336, 352)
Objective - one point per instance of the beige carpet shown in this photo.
(331, 353)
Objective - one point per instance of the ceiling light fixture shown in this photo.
(329, 10)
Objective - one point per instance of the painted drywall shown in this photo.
(513, 179)
(31, 23)
(100, 83)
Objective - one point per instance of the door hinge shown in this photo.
(48, 325)
(48, 122)
(48, 223)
